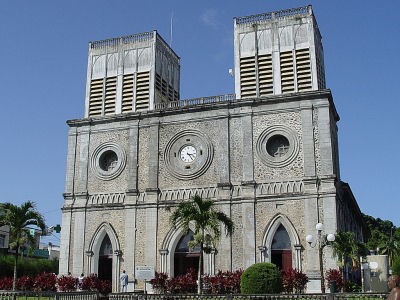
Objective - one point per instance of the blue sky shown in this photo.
(43, 52)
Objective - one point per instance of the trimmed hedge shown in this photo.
(27, 266)
(261, 278)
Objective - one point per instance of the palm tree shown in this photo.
(345, 248)
(206, 220)
(18, 218)
(391, 247)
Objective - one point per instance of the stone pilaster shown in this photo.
(78, 251)
(81, 180)
(133, 160)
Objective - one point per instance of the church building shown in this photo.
(268, 156)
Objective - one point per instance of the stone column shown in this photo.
(211, 262)
(163, 260)
(116, 271)
(297, 255)
(89, 257)
(263, 250)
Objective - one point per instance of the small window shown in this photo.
(277, 146)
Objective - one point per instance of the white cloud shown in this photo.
(210, 18)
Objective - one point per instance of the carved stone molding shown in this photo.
(104, 199)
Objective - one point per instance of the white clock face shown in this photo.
(188, 153)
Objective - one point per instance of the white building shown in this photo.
(268, 155)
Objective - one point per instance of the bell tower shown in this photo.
(130, 74)
(278, 53)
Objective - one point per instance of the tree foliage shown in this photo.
(206, 220)
(384, 237)
(18, 218)
(348, 250)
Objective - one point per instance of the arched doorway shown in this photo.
(281, 250)
(105, 259)
(184, 257)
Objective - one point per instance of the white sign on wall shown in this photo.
(144, 272)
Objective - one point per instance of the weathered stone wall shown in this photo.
(119, 184)
(293, 170)
(251, 190)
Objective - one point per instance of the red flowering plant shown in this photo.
(45, 282)
(223, 282)
(90, 283)
(334, 276)
(159, 282)
(6, 283)
(25, 283)
(104, 287)
(183, 284)
(293, 281)
(67, 283)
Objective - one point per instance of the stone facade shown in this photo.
(270, 162)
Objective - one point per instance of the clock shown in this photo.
(188, 154)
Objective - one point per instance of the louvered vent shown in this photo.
(247, 77)
(142, 91)
(170, 93)
(127, 93)
(110, 96)
(96, 97)
(266, 83)
(163, 87)
(320, 74)
(287, 72)
(303, 68)
(158, 82)
(176, 95)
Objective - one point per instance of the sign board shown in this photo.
(144, 272)
(373, 265)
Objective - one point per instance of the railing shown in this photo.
(22, 295)
(336, 296)
(272, 15)
(134, 38)
(195, 101)
(9, 295)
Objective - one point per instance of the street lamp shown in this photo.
(321, 242)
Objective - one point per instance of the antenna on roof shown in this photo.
(172, 20)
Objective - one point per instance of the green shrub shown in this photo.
(261, 278)
(27, 266)
(396, 266)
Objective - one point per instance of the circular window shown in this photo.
(277, 146)
(108, 161)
